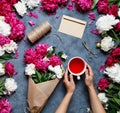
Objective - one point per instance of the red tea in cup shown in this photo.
(76, 66)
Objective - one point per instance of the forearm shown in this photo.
(95, 102)
(64, 104)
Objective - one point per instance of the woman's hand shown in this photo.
(89, 76)
(69, 82)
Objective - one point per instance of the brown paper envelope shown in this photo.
(72, 26)
(38, 94)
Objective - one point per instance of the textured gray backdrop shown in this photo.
(72, 47)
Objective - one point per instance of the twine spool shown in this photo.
(39, 31)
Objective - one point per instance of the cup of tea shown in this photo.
(76, 66)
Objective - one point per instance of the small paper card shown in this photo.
(72, 26)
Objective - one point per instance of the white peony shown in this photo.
(50, 49)
(64, 56)
(30, 69)
(102, 98)
(2, 52)
(113, 72)
(57, 70)
(32, 3)
(105, 23)
(11, 47)
(10, 85)
(5, 28)
(2, 70)
(20, 8)
(119, 12)
(107, 43)
(118, 111)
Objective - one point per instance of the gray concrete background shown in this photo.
(72, 47)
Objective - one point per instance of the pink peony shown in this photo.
(113, 10)
(103, 6)
(5, 8)
(63, 2)
(83, 5)
(42, 49)
(5, 106)
(50, 5)
(116, 52)
(30, 56)
(41, 65)
(117, 27)
(103, 84)
(12, 2)
(4, 40)
(9, 69)
(55, 60)
(18, 30)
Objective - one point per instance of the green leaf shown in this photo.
(94, 4)
(6, 56)
(117, 100)
(111, 86)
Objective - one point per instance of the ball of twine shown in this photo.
(39, 32)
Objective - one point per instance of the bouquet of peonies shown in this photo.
(44, 68)
(109, 87)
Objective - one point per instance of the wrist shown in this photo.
(69, 93)
(90, 87)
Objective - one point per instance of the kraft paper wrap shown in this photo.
(38, 94)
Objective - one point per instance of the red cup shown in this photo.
(76, 66)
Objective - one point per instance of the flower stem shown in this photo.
(118, 40)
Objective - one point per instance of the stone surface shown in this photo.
(72, 46)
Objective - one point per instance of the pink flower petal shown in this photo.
(16, 55)
(91, 15)
(96, 32)
(33, 14)
(32, 23)
(90, 22)
(102, 67)
(57, 17)
(70, 7)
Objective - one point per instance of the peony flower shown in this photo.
(117, 27)
(30, 56)
(5, 28)
(83, 5)
(11, 47)
(5, 106)
(107, 43)
(32, 3)
(106, 22)
(50, 5)
(116, 52)
(30, 69)
(20, 8)
(55, 60)
(103, 84)
(63, 2)
(18, 30)
(41, 65)
(113, 72)
(2, 52)
(10, 85)
(102, 98)
(4, 40)
(9, 69)
(2, 70)
(57, 70)
(113, 10)
(103, 6)
(42, 49)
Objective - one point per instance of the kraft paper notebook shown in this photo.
(72, 26)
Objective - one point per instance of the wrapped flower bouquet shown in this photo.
(45, 70)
